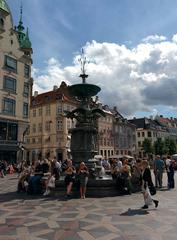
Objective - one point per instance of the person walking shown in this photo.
(159, 167)
(83, 179)
(146, 184)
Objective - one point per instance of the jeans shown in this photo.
(158, 178)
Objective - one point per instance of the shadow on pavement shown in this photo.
(133, 212)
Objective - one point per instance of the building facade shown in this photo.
(49, 136)
(147, 128)
(125, 137)
(15, 85)
(117, 136)
(105, 133)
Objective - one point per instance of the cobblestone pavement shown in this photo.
(113, 218)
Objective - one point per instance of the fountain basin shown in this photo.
(83, 90)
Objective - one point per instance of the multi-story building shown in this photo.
(170, 124)
(147, 128)
(15, 84)
(116, 135)
(105, 133)
(124, 135)
(49, 128)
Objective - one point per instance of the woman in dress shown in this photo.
(70, 172)
(146, 184)
(83, 179)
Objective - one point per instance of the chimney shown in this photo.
(35, 93)
(55, 87)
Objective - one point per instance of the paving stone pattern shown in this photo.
(114, 218)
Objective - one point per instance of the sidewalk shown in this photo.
(117, 218)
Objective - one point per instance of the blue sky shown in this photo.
(60, 28)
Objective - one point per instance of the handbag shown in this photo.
(152, 190)
(51, 182)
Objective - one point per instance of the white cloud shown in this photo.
(174, 38)
(154, 38)
(134, 80)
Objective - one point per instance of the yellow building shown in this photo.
(48, 135)
(15, 84)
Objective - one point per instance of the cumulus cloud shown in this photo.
(137, 79)
(154, 38)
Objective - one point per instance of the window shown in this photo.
(11, 63)
(40, 111)
(138, 134)
(27, 71)
(139, 144)
(39, 127)
(68, 124)
(59, 125)
(59, 108)
(33, 140)
(25, 110)
(1, 23)
(48, 110)
(34, 112)
(26, 90)
(9, 106)
(47, 126)
(142, 134)
(9, 84)
(34, 128)
(8, 131)
(149, 134)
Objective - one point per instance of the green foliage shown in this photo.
(167, 146)
(159, 147)
(172, 147)
(147, 146)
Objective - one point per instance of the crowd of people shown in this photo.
(129, 175)
(6, 168)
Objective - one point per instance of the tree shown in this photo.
(172, 147)
(159, 147)
(147, 146)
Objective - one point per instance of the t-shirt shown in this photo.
(168, 163)
(159, 164)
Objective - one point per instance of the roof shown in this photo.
(167, 122)
(26, 43)
(60, 93)
(4, 6)
(146, 123)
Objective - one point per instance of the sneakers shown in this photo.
(156, 203)
(145, 207)
(47, 192)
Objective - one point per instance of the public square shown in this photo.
(24, 217)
